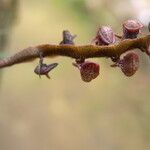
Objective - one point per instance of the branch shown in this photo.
(85, 51)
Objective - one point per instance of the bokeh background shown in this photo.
(110, 113)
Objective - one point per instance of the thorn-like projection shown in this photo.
(67, 38)
(44, 69)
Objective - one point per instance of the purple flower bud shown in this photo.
(131, 29)
(44, 69)
(67, 38)
(105, 36)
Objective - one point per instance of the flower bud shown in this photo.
(129, 64)
(105, 36)
(131, 29)
(88, 70)
(44, 69)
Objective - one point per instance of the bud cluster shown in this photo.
(129, 64)
(105, 36)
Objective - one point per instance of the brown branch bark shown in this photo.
(85, 51)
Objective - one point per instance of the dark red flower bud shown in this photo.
(129, 64)
(88, 70)
(131, 29)
(105, 36)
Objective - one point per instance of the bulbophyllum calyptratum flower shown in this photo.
(105, 36)
(44, 69)
(129, 64)
(131, 29)
(88, 70)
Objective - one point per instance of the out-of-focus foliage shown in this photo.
(110, 113)
(8, 12)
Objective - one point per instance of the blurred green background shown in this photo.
(110, 113)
